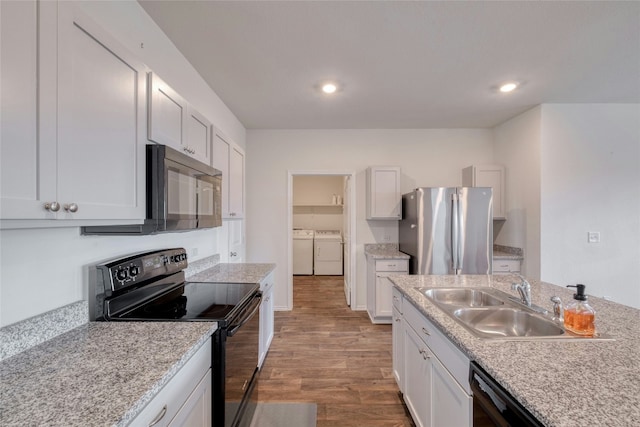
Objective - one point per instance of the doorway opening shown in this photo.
(322, 201)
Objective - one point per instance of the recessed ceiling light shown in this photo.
(508, 87)
(329, 88)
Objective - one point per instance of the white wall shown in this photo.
(517, 148)
(312, 202)
(42, 269)
(433, 157)
(591, 182)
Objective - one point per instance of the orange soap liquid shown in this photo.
(581, 323)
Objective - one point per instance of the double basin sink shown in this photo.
(493, 314)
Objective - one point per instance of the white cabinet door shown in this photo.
(451, 405)
(229, 159)
(384, 200)
(167, 112)
(266, 317)
(236, 240)
(383, 295)
(196, 411)
(198, 136)
(236, 182)
(398, 349)
(220, 161)
(27, 109)
(417, 378)
(488, 176)
(101, 88)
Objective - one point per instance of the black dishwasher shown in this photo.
(493, 406)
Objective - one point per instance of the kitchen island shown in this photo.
(561, 382)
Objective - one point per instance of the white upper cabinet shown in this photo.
(73, 106)
(488, 176)
(167, 114)
(176, 123)
(199, 131)
(229, 159)
(384, 200)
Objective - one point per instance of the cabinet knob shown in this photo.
(71, 207)
(52, 206)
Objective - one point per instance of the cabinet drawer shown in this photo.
(506, 266)
(401, 265)
(396, 297)
(449, 355)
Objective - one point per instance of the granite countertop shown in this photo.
(234, 273)
(384, 251)
(100, 373)
(506, 256)
(563, 383)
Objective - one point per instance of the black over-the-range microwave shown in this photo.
(182, 194)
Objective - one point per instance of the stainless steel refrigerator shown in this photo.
(448, 230)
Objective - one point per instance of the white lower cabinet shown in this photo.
(434, 376)
(266, 317)
(397, 333)
(186, 399)
(379, 287)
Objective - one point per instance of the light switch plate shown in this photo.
(593, 236)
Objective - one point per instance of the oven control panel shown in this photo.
(136, 269)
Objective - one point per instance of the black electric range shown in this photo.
(151, 286)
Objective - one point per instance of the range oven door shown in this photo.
(238, 384)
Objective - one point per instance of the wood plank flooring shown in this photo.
(324, 352)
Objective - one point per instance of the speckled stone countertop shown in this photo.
(506, 255)
(384, 251)
(98, 374)
(234, 273)
(563, 383)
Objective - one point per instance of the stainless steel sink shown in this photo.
(463, 297)
(507, 322)
(492, 314)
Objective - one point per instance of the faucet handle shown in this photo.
(558, 309)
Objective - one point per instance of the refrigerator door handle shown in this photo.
(455, 234)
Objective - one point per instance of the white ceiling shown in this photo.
(413, 64)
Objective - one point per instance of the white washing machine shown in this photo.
(327, 253)
(303, 252)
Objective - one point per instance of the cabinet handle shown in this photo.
(395, 298)
(232, 214)
(413, 226)
(233, 253)
(52, 206)
(424, 354)
(424, 331)
(397, 319)
(158, 417)
(71, 207)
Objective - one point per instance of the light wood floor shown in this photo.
(324, 352)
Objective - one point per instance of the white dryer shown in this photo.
(327, 253)
(303, 252)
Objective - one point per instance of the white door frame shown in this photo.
(352, 221)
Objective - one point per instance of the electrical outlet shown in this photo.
(593, 236)
(386, 238)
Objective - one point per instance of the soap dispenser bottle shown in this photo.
(579, 317)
